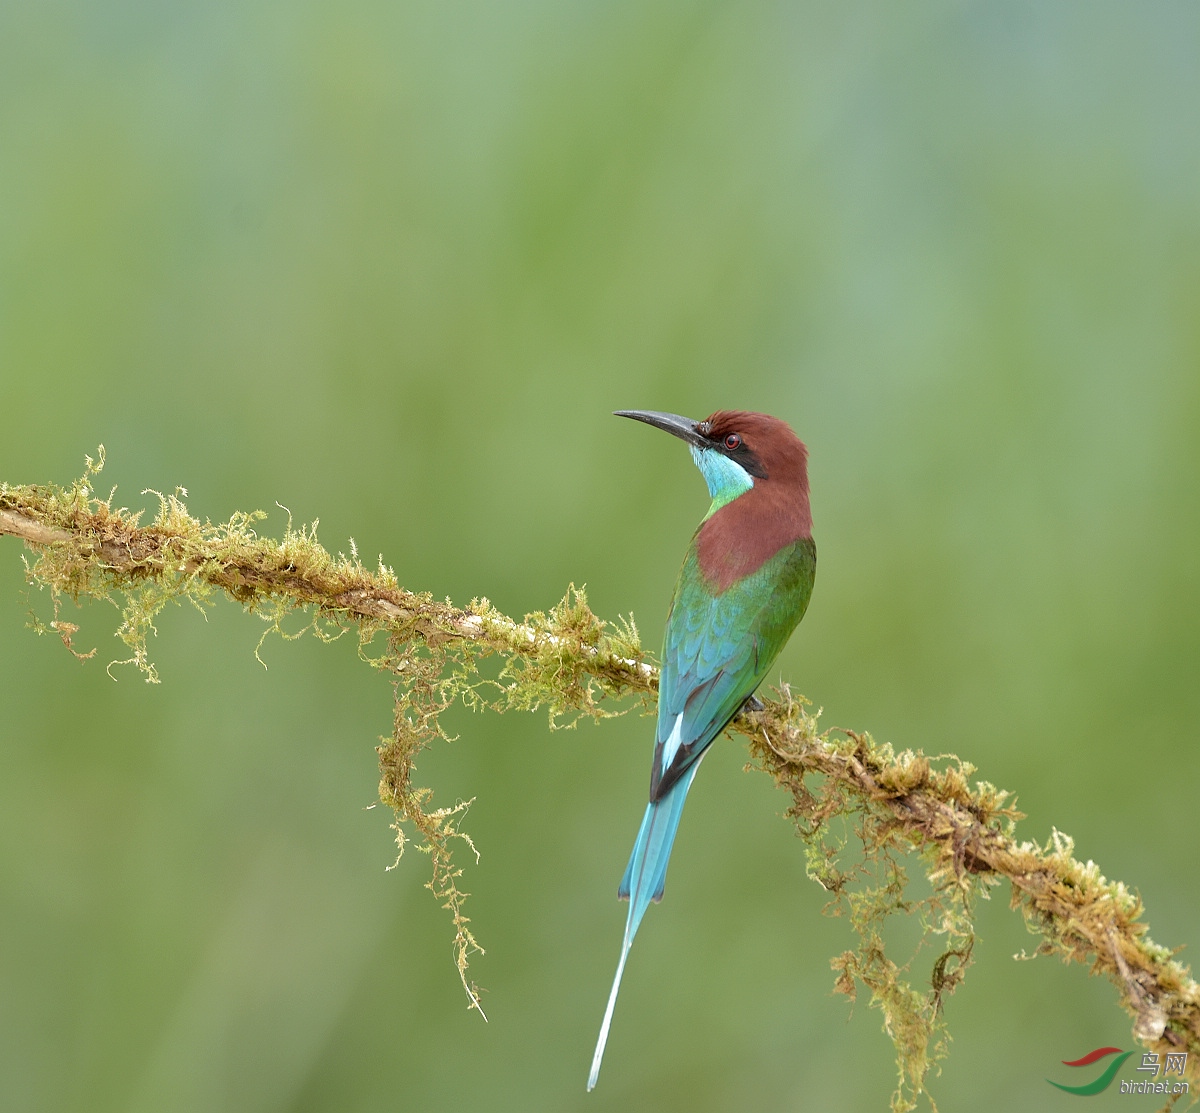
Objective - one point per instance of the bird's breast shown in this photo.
(742, 536)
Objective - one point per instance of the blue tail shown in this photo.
(643, 882)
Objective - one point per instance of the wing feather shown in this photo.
(717, 650)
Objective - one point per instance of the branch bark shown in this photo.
(572, 661)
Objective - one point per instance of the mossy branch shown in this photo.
(898, 806)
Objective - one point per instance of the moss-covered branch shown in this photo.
(865, 812)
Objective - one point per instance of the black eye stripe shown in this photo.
(735, 448)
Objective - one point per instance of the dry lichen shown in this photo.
(867, 814)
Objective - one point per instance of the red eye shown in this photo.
(733, 441)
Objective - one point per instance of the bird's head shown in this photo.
(736, 450)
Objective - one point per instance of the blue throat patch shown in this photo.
(726, 479)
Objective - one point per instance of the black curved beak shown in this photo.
(682, 427)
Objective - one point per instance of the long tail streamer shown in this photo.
(644, 879)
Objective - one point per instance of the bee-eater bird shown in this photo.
(744, 585)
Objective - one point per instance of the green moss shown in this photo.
(869, 817)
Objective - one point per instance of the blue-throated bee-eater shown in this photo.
(744, 586)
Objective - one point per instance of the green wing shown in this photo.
(718, 649)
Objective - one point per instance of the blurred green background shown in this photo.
(392, 265)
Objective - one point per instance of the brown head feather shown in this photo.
(748, 531)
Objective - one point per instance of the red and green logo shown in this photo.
(1104, 1080)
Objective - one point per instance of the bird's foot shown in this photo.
(753, 703)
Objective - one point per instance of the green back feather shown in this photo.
(719, 647)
